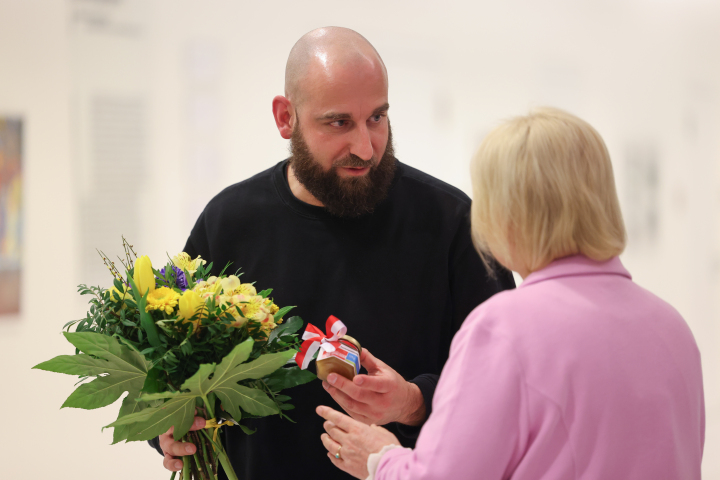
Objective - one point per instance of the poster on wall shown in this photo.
(10, 214)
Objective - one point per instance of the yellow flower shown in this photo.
(229, 284)
(191, 304)
(163, 299)
(183, 261)
(254, 308)
(247, 289)
(273, 308)
(268, 324)
(144, 276)
(208, 289)
(239, 319)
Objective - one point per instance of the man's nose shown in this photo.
(362, 145)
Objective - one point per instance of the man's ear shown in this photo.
(284, 116)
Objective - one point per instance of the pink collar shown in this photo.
(577, 265)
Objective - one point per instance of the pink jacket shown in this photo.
(577, 374)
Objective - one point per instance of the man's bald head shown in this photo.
(319, 54)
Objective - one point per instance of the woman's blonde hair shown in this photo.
(543, 188)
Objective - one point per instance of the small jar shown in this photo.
(344, 361)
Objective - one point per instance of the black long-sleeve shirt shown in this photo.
(402, 279)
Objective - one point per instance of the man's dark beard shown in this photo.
(343, 196)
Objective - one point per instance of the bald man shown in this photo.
(343, 228)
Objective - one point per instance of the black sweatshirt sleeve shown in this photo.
(470, 285)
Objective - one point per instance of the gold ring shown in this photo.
(337, 454)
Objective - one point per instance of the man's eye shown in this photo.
(376, 118)
(338, 123)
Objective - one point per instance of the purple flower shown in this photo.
(178, 276)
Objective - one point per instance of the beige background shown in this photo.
(137, 112)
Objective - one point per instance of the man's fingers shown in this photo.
(198, 424)
(179, 449)
(347, 402)
(331, 445)
(171, 463)
(345, 386)
(378, 384)
(369, 361)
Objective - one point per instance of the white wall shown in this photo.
(645, 73)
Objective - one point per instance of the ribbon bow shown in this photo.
(314, 339)
(212, 423)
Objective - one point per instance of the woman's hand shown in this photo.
(353, 440)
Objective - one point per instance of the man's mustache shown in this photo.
(353, 161)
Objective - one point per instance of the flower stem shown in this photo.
(200, 472)
(205, 457)
(186, 468)
(224, 460)
(209, 407)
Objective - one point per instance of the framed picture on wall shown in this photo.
(11, 221)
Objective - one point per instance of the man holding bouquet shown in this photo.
(342, 228)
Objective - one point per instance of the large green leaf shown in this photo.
(222, 380)
(229, 372)
(131, 404)
(153, 421)
(251, 400)
(122, 369)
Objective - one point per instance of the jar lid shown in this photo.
(351, 340)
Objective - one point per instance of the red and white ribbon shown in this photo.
(314, 339)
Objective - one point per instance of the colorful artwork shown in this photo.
(10, 214)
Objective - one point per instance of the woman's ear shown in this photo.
(283, 113)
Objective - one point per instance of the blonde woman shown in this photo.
(579, 372)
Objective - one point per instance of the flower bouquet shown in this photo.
(182, 343)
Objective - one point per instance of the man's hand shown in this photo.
(352, 441)
(173, 449)
(380, 397)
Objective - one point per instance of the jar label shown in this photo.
(344, 353)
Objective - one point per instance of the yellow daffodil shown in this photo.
(183, 261)
(144, 276)
(163, 299)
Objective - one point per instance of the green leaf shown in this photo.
(153, 384)
(282, 312)
(151, 422)
(265, 293)
(129, 406)
(123, 368)
(292, 325)
(81, 365)
(101, 392)
(252, 400)
(146, 320)
(148, 397)
(247, 430)
(284, 378)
